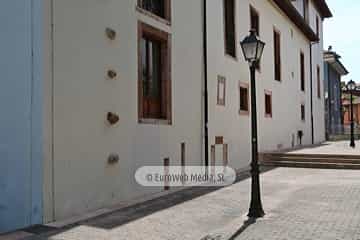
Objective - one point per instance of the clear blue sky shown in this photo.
(343, 33)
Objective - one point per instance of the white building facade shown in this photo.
(124, 87)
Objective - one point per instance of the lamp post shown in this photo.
(351, 87)
(253, 48)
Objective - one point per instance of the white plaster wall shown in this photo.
(287, 98)
(82, 97)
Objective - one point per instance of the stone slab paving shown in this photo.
(337, 148)
(300, 204)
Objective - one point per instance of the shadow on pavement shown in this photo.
(246, 224)
(132, 213)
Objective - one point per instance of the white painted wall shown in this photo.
(82, 96)
(287, 97)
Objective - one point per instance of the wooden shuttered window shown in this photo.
(255, 25)
(254, 20)
(154, 93)
(317, 27)
(229, 22)
(277, 56)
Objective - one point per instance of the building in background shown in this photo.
(346, 111)
(93, 90)
(334, 70)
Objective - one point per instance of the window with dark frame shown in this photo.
(229, 22)
(254, 20)
(277, 56)
(244, 99)
(160, 8)
(317, 27)
(268, 104)
(154, 74)
(255, 25)
(302, 71)
(318, 81)
(302, 112)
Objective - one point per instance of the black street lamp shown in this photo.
(351, 87)
(253, 49)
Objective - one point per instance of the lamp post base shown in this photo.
(256, 213)
(256, 210)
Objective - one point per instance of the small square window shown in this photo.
(221, 91)
(268, 104)
(244, 99)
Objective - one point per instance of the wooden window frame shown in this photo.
(167, 13)
(303, 112)
(235, 32)
(277, 33)
(241, 111)
(318, 78)
(302, 72)
(166, 103)
(255, 11)
(221, 101)
(268, 93)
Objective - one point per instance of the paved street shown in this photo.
(300, 204)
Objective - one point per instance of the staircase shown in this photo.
(324, 161)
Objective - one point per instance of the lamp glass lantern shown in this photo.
(252, 47)
(351, 85)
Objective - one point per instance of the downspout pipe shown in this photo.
(329, 101)
(311, 93)
(206, 103)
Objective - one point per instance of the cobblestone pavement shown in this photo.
(300, 204)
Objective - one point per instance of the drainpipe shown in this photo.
(311, 93)
(206, 110)
(329, 100)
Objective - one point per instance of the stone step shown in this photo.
(317, 156)
(312, 159)
(299, 164)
